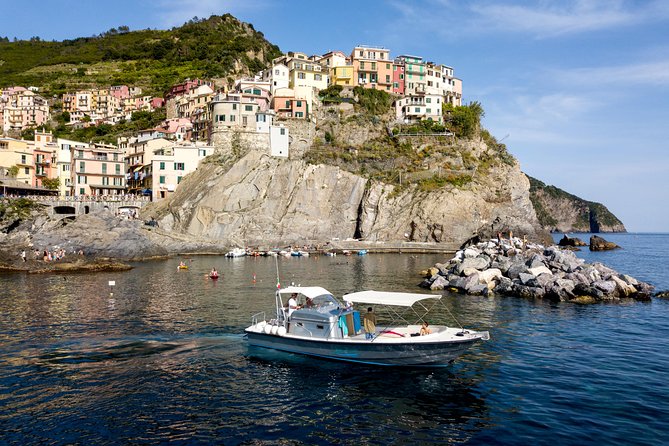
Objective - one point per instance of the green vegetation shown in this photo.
(151, 59)
(422, 127)
(13, 171)
(588, 209)
(19, 208)
(374, 102)
(331, 94)
(51, 183)
(465, 120)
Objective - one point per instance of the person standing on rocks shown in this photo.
(23, 255)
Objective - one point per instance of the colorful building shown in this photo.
(170, 164)
(372, 67)
(97, 170)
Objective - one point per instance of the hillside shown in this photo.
(220, 47)
(560, 211)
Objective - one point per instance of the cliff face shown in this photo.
(559, 211)
(262, 200)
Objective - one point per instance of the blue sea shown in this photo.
(160, 357)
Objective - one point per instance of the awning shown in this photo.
(388, 298)
(137, 169)
(309, 291)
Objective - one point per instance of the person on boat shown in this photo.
(369, 323)
(182, 265)
(309, 303)
(292, 304)
(213, 274)
(425, 329)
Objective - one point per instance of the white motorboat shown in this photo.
(323, 327)
(236, 252)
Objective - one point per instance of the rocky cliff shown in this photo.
(560, 211)
(459, 193)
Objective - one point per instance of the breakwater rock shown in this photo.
(514, 268)
(599, 244)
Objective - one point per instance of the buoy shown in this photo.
(274, 329)
(254, 277)
(281, 331)
(261, 324)
(267, 329)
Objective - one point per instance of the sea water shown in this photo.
(160, 357)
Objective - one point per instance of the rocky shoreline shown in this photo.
(516, 268)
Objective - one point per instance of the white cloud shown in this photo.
(649, 73)
(542, 19)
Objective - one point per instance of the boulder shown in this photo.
(571, 241)
(439, 283)
(538, 270)
(490, 277)
(478, 290)
(599, 244)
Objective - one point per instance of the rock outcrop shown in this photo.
(263, 200)
(559, 211)
(571, 241)
(513, 268)
(599, 244)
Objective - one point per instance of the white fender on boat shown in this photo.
(274, 329)
(267, 329)
(281, 331)
(261, 325)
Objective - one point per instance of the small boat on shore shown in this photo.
(325, 328)
(236, 252)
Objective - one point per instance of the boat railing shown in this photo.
(258, 317)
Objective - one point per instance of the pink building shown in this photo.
(286, 105)
(120, 91)
(97, 170)
(398, 78)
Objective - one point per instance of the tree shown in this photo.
(51, 183)
(13, 171)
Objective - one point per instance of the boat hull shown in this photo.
(369, 352)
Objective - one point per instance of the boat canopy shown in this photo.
(309, 291)
(388, 298)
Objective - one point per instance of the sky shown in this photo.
(578, 90)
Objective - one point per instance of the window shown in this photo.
(82, 191)
(373, 65)
(116, 157)
(387, 78)
(318, 77)
(282, 131)
(428, 111)
(248, 107)
(234, 106)
(301, 76)
(276, 72)
(401, 76)
(26, 170)
(256, 91)
(298, 104)
(105, 181)
(221, 118)
(179, 166)
(118, 169)
(66, 167)
(179, 180)
(82, 166)
(162, 179)
(232, 118)
(202, 152)
(162, 165)
(387, 66)
(362, 65)
(299, 114)
(23, 159)
(104, 167)
(428, 100)
(417, 109)
(287, 104)
(80, 153)
(81, 179)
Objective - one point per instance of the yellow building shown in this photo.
(19, 153)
